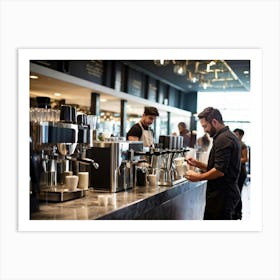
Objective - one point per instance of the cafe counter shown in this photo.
(183, 201)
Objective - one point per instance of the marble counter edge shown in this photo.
(134, 210)
(133, 203)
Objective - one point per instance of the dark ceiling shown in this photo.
(223, 75)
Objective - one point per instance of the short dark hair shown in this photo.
(183, 125)
(211, 113)
(151, 111)
(239, 131)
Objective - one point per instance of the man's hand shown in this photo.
(195, 163)
(193, 176)
(192, 162)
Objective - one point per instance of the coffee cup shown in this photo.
(102, 200)
(179, 161)
(64, 174)
(112, 200)
(181, 169)
(152, 179)
(83, 180)
(71, 182)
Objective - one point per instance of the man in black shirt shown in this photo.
(222, 169)
(141, 131)
(243, 172)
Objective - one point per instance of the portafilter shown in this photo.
(66, 149)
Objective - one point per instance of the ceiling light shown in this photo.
(103, 100)
(180, 69)
(33, 77)
(57, 94)
(246, 72)
(204, 85)
(161, 62)
(193, 77)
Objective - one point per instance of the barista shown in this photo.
(141, 131)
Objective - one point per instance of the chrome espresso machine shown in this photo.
(172, 151)
(117, 160)
(58, 141)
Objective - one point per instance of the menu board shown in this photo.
(53, 64)
(152, 89)
(118, 76)
(162, 92)
(135, 83)
(91, 70)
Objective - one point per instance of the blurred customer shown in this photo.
(182, 127)
(221, 170)
(203, 142)
(141, 131)
(203, 147)
(243, 172)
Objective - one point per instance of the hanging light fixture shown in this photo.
(193, 77)
(161, 62)
(180, 67)
(204, 73)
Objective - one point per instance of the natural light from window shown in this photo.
(234, 106)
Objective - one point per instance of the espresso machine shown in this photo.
(54, 137)
(116, 161)
(86, 136)
(172, 148)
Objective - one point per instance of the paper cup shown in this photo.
(64, 174)
(179, 161)
(102, 200)
(71, 182)
(181, 169)
(112, 200)
(152, 179)
(83, 180)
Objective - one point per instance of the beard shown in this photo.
(212, 131)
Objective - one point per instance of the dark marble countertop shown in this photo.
(125, 205)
